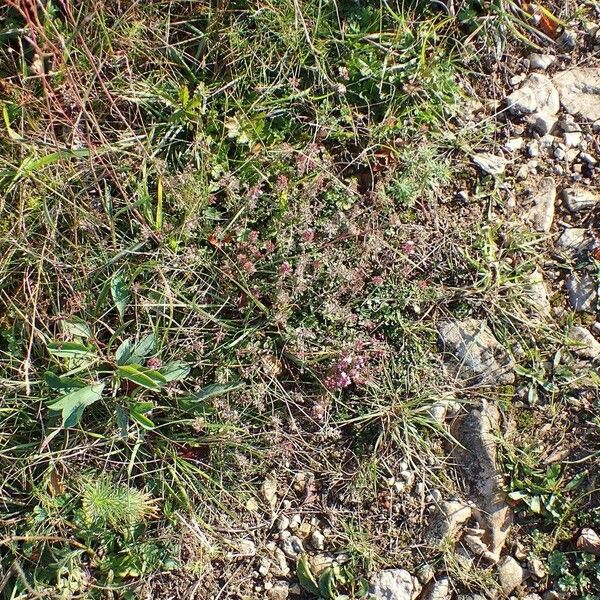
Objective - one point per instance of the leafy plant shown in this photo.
(576, 573)
(126, 377)
(337, 582)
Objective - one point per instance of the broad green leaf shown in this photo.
(74, 403)
(144, 348)
(305, 577)
(175, 370)
(70, 350)
(77, 328)
(327, 584)
(120, 294)
(61, 384)
(217, 389)
(123, 352)
(147, 378)
(137, 413)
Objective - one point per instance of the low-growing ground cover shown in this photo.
(232, 234)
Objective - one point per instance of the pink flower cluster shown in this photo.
(348, 369)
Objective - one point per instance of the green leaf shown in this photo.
(77, 328)
(175, 370)
(147, 378)
(138, 411)
(143, 349)
(305, 577)
(217, 389)
(120, 294)
(327, 584)
(363, 588)
(70, 350)
(61, 384)
(74, 403)
(123, 352)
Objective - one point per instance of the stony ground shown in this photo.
(366, 365)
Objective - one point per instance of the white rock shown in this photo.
(543, 123)
(583, 292)
(536, 568)
(537, 293)
(514, 144)
(282, 523)
(279, 591)
(579, 200)
(511, 574)
(579, 91)
(533, 148)
(574, 241)
(585, 345)
(478, 547)
(589, 541)
(317, 540)
(541, 213)
(540, 61)
(480, 357)
(490, 163)
(537, 94)
(439, 590)
(394, 584)
(425, 573)
(447, 521)
(572, 138)
(246, 547)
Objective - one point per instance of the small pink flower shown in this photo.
(285, 268)
(308, 235)
(377, 280)
(154, 362)
(408, 247)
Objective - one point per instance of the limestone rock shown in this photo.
(536, 95)
(579, 200)
(450, 515)
(583, 292)
(540, 61)
(541, 214)
(574, 241)
(585, 344)
(589, 541)
(481, 358)
(439, 590)
(476, 433)
(394, 584)
(579, 91)
(537, 295)
(511, 574)
(490, 163)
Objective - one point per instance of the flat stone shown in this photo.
(536, 95)
(481, 358)
(580, 200)
(583, 292)
(394, 584)
(439, 590)
(574, 241)
(579, 91)
(490, 163)
(541, 213)
(447, 521)
(511, 574)
(477, 433)
(585, 345)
